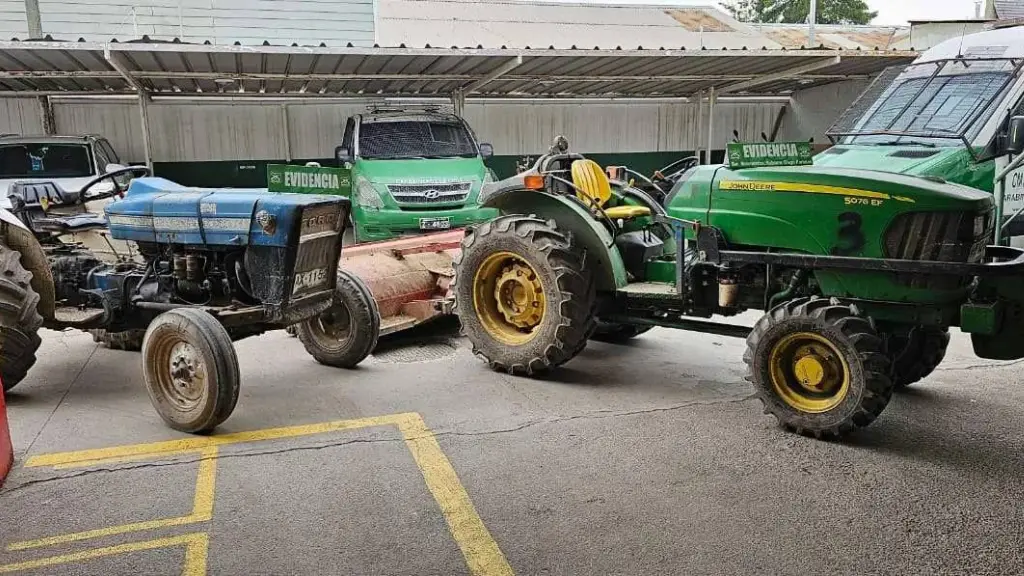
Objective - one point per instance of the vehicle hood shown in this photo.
(952, 164)
(422, 170)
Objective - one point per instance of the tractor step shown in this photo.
(397, 323)
(73, 316)
(650, 290)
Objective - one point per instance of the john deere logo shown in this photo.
(431, 194)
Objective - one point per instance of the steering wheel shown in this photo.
(112, 176)
(675, 169)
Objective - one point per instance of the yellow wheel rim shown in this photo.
(509, 299)
(809, 373)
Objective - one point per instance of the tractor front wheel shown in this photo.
(819, 367)
(347, 332)
(19, 319)
(916, 354)
(522, 294)
(191, 370)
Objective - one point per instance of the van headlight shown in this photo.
(366, 195)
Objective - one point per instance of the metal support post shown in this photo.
(711, 122)
(459, 101)
(144, 117)
(699, 125)
(33, 19)
(46, 115)
(812, 20)
(287, 133)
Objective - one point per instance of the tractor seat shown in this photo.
(594, 189)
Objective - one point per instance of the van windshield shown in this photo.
(45, 161)
(415, 139)
(935, 104)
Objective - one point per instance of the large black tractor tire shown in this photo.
(615, 333)
(522, 295)
(345, 334)
(917, 354)
(19, 319)
(129, 340)
(819, 367)
(191, 370)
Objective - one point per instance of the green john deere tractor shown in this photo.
(860, 274)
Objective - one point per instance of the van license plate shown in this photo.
(435, 223)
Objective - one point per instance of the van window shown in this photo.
(45, 161)
(415, 139)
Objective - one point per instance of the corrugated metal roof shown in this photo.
(1009, 9)
(72, 68)
(521, 24)
(837, 37)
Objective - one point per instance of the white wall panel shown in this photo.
(20, 116)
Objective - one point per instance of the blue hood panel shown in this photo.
(158, 210)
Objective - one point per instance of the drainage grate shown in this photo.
(415, 351)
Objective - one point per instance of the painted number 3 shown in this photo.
(849, 235)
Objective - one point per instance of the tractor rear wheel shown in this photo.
(347, 332)
(615, 333)
(524, 299)
(128, 340)
(19, 319)
(916, 354)
(819, 367)
(191, 370)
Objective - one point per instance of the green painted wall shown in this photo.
(253, 173)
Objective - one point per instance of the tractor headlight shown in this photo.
(366, 195)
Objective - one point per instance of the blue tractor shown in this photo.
(197, 269)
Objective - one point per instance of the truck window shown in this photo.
(415, 139)
(346, 141)
(937, 109)
(45, 160)
(108, 150)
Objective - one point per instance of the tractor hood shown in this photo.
(923, 192)
(952, 164)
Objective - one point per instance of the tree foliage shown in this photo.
(796, 11)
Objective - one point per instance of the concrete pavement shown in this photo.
(649, 458)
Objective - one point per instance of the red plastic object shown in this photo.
(6, 449)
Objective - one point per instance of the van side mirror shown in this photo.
(486, 150)
(1015, 135)
(112, 167)
(343, 154)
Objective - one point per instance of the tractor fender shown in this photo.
(602, 256)
(16, 236)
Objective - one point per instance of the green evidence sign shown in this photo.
(309, 179)
(769, 154)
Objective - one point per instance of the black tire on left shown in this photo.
(19, 319)
(191, 370)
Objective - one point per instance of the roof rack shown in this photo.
(429, 108)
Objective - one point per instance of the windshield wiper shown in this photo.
(905, 143)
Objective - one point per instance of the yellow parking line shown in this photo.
(481, 552)
(202, 511)
(86, 457)
(196, 545)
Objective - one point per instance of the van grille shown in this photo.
(432, 193)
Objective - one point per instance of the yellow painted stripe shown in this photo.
(196, 546)
(202, 511)
(481, 552)
(135, 451)
(764, 186)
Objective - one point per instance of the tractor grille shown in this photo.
(317, 256)
(436, 193)
(939, 236)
